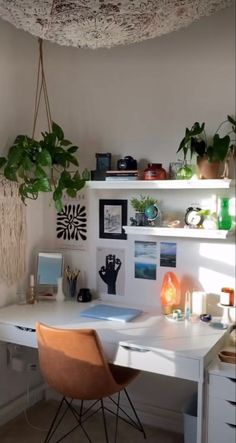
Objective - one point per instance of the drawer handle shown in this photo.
(22, 328)
(133, 348)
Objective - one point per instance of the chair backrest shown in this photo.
(73, 362)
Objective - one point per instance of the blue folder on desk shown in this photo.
(108, 312)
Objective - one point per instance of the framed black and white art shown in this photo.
(112, 218)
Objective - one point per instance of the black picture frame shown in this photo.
(112, 218)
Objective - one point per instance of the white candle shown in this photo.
(225, 298)
(199, 302)
(32, 280)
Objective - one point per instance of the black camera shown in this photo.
(127, 163)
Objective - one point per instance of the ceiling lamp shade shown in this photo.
(104, 23)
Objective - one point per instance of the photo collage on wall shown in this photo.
(145, 253)
(71, 223)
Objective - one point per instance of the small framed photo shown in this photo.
(112, 218)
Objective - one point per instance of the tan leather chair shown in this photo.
(73, 363)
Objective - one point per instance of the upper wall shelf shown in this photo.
(177, 232)
(161, 184)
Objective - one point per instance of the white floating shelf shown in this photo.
(160, 184)
(177, 232)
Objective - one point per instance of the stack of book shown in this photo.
(121, 175)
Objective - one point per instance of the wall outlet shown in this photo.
(17, 364)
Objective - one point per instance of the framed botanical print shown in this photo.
(112, 218)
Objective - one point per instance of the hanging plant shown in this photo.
(44, 165)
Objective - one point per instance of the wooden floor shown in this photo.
(39, 416)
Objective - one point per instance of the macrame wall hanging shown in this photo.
(104, 23)
(12, 233)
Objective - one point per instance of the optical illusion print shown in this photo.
(71, 224)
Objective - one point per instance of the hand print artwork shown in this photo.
(71, 224)
(110, 265)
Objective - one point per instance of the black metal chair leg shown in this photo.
(104, 421)
(50, 433)
(117, 416)
(135, 413)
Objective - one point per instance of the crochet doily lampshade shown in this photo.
(104, 23)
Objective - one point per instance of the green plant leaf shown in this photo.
(27, 164)
(65, 180)
(39, 172)
(219, 149)
(14, 155)
(233, 122)
(71, 192)
(57, 195)
(65, 142)
(42, 184)
(44, 158)
(72, 149)
(58, 205)
(10, 173)
(57, 131)
(86, 175)
(3, 161)
(71, 159)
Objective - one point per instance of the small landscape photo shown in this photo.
(112, 219)
(168, 254)
(146, 271)
(145, 249)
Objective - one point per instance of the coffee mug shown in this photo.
(84, 295)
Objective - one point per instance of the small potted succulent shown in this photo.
(210, 154)
(143, 206)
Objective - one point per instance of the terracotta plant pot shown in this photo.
(208, 170)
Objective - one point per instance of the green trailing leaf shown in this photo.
(44, 158)
(57, 130)
(39, 172)
(72, 149)
(65, 143)
(71, 192)
(10, 173)
(3, 161)
(86, 175)
(57, 195)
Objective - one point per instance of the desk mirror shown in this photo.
(49, 269)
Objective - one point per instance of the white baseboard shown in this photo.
(15, 407)
(150, 415)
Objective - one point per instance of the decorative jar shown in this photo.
(155, 171)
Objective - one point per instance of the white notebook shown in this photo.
(108, 312)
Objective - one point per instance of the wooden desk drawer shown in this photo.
(222, 410)
(221, 432)
(159, 361)
(222, 387)
(18, 335)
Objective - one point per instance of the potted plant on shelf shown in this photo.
(143, 206)
(44, 166)
(210, 154)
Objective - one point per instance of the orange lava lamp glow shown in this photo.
(170, 292)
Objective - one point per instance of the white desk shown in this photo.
(149, 343)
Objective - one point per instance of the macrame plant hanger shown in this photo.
(41, 88)
(12, 210)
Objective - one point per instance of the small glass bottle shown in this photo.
(224, 217)
(31, 296)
